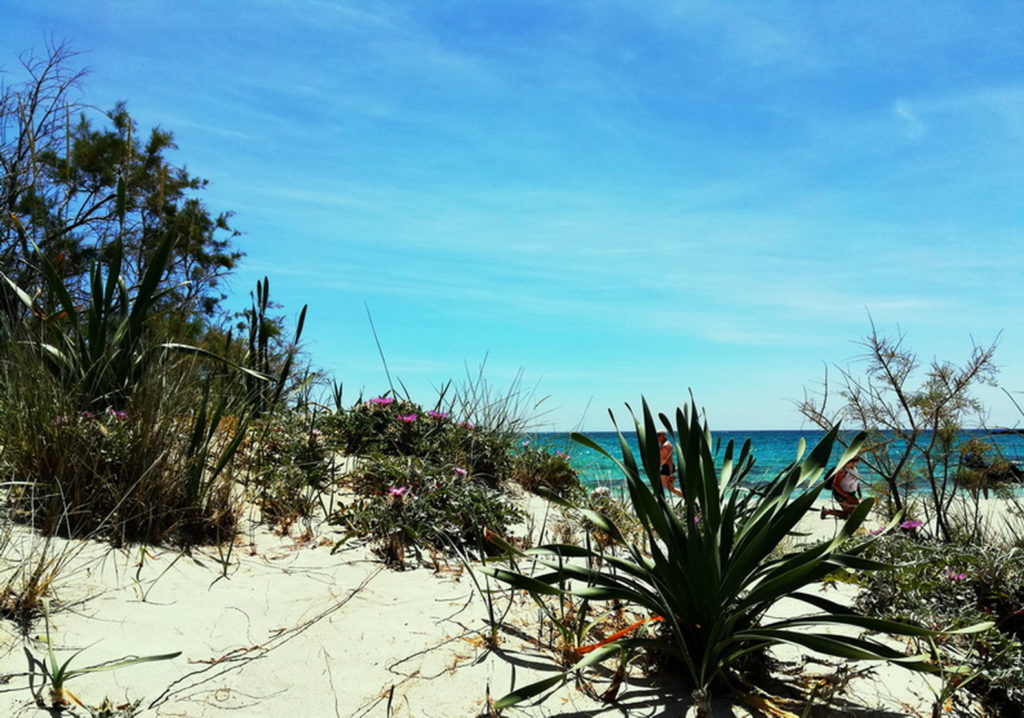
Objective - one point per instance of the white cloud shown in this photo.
(913, 127)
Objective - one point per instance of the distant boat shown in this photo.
(1006, 431)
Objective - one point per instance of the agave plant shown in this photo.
(707, 571)
(102, 348)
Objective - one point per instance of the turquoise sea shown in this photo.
(772, 450)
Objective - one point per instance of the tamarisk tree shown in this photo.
(74, 181)
(913, 416)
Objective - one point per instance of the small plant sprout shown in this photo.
(56, 674)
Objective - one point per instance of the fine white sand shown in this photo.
(293, 629)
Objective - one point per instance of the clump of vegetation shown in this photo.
(386, 426)
(982, 469)
(115, 418)
(290, 468)
(109, 428)
(940, 584)
(437, 478)
(410, 503)
(538, 468)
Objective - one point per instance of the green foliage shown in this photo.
(265, 354)
(982, 468)
(408, 502)
(112, 428)
(156, 469)
(941, 584)
(100, 351)
(290, 465)
(709, 571)
(76, 182)
(389, 427)
(112, 423)
(385, 426)
(538, 468)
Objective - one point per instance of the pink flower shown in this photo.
(437, 414)
(407, 418)
(382, 400)
(466, 424)
(875, 532)
(117, 415)
(398, 491)
(560, 454)
(316, 433)
(460, 471)
(953, 575)
(912, 525)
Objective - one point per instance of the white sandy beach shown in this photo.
(296, 630)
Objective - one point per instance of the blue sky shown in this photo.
(618, 198)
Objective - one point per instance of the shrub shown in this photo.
(710, 576)
(939, 584)
(289, 464)
(536, 467)
(913, 415)
(385, 426)
(154, 470)
(409, 503)
(113, 428)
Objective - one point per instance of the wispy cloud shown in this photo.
(605, 191)
(915, 129)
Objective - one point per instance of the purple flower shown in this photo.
(382, 400)
(407, 418)
(437, 414)
(561, 454)
(912, 525)
(954, 575)
(87, 415)
(117, 415)
(875, 532)
(460, 471)
(398, 491)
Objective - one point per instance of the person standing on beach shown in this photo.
(668, 467)
(845, 490)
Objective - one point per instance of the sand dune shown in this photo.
(291, 628)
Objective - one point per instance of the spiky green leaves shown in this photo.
(707, 565)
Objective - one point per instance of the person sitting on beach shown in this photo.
(668, 467)
(845, 485)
